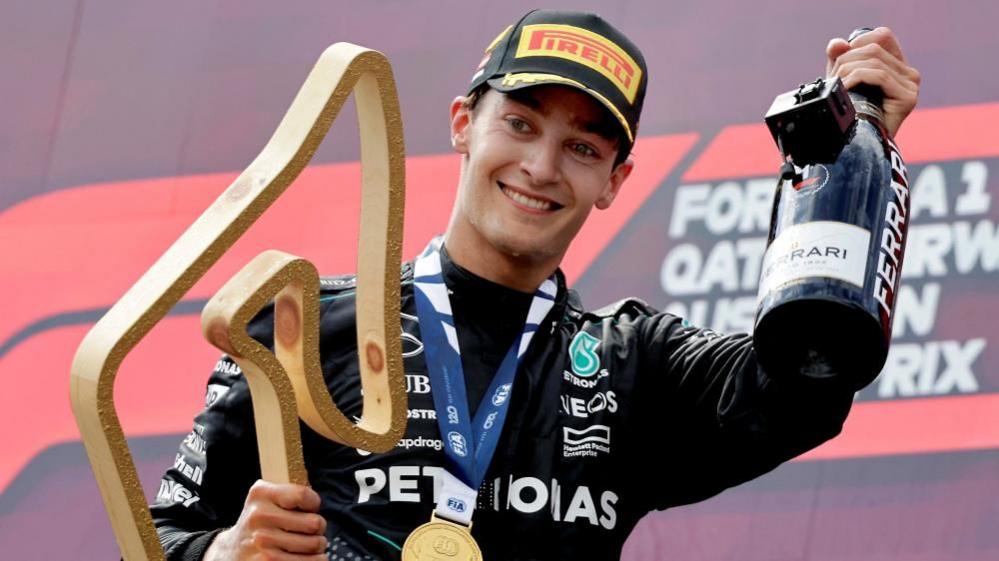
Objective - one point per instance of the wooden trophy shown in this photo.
(288, 382)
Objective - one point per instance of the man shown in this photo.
(552, 429)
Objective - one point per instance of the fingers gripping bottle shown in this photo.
(831, 271)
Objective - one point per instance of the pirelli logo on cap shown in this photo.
(583, 47)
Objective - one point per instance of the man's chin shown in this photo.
(526, 248)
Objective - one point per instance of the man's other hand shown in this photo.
(876, 58)
(278, 522)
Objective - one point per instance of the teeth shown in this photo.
(527, 201)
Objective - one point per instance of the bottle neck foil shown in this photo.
(867, 108)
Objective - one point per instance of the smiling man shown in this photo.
(537, 429)
(537, 161)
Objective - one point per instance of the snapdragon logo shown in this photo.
(585, 360)
(407, 443)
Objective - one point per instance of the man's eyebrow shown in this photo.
(604, 128)
(524, 97)
(588, 125)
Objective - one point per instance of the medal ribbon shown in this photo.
(469, 444)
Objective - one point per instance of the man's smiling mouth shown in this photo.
(527, 200)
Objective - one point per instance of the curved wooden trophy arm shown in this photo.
(341, 69)
(292, 374)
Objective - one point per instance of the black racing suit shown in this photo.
(614, 413)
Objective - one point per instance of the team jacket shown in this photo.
(614, 413)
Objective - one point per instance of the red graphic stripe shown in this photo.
(805, 183)
(911, 426)
(655, 158)
(158, 389)
(928, 135)
(82, 248)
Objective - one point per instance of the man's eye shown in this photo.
(584, 150)
(518, 125)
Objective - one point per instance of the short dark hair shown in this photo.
(608, 127)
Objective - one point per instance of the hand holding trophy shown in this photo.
(288, 383)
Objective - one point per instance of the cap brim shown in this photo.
(521, 80)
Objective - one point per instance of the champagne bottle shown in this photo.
(831, 270)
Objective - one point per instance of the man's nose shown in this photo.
(542, 164)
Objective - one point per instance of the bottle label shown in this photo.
(815, 249)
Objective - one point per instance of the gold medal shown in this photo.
(441, 540)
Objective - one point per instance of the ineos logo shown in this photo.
(579, 407)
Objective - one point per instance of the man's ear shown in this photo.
(614, 183)
(461, 116)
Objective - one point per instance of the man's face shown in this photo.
(534, 166)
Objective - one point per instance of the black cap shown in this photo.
(568, 48)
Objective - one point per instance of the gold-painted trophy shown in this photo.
(288, 383)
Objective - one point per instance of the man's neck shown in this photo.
(484, 260)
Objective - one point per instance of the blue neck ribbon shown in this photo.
(469, 444)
